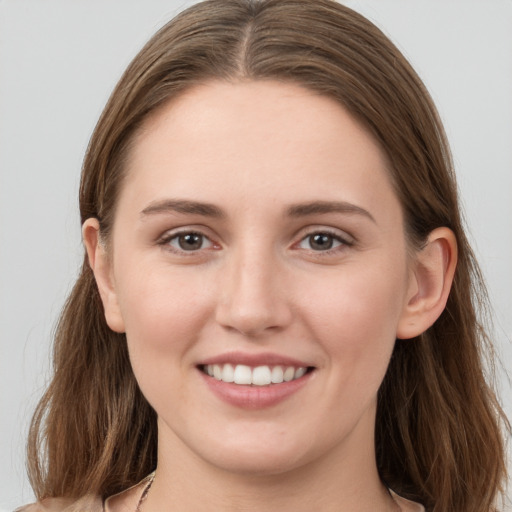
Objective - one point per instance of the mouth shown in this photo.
(263, 375)
(255, 381)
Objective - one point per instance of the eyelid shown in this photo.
(169, 235)
(343, 237)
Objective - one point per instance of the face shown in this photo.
(258, 239)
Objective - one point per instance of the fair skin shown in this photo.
(257, 226)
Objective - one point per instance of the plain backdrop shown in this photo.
(58, 63)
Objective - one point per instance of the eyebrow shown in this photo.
(183, 206)
(211, 210)
(322, 207)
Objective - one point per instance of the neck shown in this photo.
(343, 480)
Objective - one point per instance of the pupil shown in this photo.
(190, 241)
(321, 241)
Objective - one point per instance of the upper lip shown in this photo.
(263, 359)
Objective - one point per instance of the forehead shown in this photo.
(261, 139)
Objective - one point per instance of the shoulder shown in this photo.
(128, 500)
(85, 504)
(124, 501)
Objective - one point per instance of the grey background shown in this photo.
(58, 63)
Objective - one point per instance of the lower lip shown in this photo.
(254, 397)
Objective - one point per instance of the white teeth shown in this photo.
(228, 373)
(243, 374)
(289, 373)
(258, 376)
(299, 372)
(277, 375)
(261, 376)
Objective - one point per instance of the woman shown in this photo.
(276, 310)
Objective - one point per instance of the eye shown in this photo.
(321, 241)
(188, 241)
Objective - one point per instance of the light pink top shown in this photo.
(407, 505)
(94, 503)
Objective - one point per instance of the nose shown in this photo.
(253, 299)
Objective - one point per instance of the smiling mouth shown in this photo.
(254, 376)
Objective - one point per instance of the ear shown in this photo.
(430, 283)
(100, 263)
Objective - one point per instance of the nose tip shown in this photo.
(253, 300)
(250, 322)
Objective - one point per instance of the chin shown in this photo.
(262, 451)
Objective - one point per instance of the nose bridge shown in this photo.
(251, 299)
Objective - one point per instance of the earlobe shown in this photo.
(101, 266)
(431, 281)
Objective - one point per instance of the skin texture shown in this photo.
(258, 285)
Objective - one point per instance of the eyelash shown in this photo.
(335, 238)
(167, 240)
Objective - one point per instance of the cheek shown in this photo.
(355, 317)
(162, 310)
(164, 315)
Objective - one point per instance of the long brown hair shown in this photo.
(438, 423)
